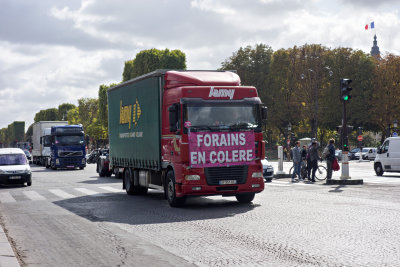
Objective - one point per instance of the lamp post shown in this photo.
(289, 127)
(314, 122)
(395, 128)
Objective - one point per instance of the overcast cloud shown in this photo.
(56, 51)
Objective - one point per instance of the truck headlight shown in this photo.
(83, 161)
(257, 175)
(57, 162)
(192, 177)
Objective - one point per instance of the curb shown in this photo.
(7, 256)
(345, 181)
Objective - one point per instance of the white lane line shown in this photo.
(277, 184)
(33, 195)
(88, 191)
(112, 189)
(61, 193)
(5, 197)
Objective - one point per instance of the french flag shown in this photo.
(370, 25)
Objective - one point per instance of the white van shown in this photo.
(369, 153)
(14, 167)
(388, 156)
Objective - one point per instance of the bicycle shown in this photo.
(320, 174)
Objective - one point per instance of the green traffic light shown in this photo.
(346, 97)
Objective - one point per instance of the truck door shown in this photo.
(394, 154)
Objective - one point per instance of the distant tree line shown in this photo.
(301, 86)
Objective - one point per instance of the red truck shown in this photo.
(189, 133)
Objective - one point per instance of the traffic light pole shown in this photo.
(345, 148)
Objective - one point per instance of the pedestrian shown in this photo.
(308, 162)
(304, 160)
(296, 151)
(330, 158)
(314, 157)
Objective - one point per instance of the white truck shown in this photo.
(41, 140)
(388, 156)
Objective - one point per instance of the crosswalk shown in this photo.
(371, 181)
(56, 194)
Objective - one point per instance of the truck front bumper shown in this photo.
(70, 162)
(253, 186)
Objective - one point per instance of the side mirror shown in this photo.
(379, 150)
(173, 117)
(264, 113)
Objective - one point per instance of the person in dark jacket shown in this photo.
(314, 157)
(330, 158)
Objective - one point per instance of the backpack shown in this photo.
(325, 153)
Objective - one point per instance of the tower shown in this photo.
(375, 49)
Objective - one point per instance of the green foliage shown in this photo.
(50, 114)
(88, 110)
(63, 111)
(152, 59)
(73, 116)
(103, 106)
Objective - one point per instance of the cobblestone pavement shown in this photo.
(288, 224)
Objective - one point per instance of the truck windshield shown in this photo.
(12, 159)
(222, 116)
(70, 140)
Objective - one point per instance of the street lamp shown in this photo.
(314, 122)
(289, 127)
(395, 128)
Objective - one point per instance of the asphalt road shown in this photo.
(75, 218)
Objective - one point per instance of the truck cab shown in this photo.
(67, 147)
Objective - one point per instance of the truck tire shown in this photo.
(100, 169)
(108, 173)
(378, 169)
(173, 200)
(245, 197)
(130, 187)
(53, 166)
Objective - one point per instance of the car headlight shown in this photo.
(257, 175)
(193, 177)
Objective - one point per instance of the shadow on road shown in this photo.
(338, 189)
(151, 208)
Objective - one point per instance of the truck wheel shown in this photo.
(378, 169)
(245, 198)
(52, 165)
(100, 170)
(171, 193)
(29, 183)
(130, 188)
(108, 173)
(81, 168)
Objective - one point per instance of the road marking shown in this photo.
(61, 193)
(87, 191)
(6, 197)
(111, 189)
(33, 195)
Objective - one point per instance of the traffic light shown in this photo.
(345, 143)
(345, 89)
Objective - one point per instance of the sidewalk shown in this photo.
(7, 256)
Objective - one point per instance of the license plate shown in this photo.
(227, 182)
(71, 166)
(15, 177)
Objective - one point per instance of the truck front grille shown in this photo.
(70, 153)
(216, 174)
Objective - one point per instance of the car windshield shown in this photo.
(227, 115)
(69, 140)
(365, 150)
(12, 159)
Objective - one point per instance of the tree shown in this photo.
(88, 110)
(50, 114)
(63, 110)
(152, 59)
(385, 104)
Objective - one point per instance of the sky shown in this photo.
(57, 51)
